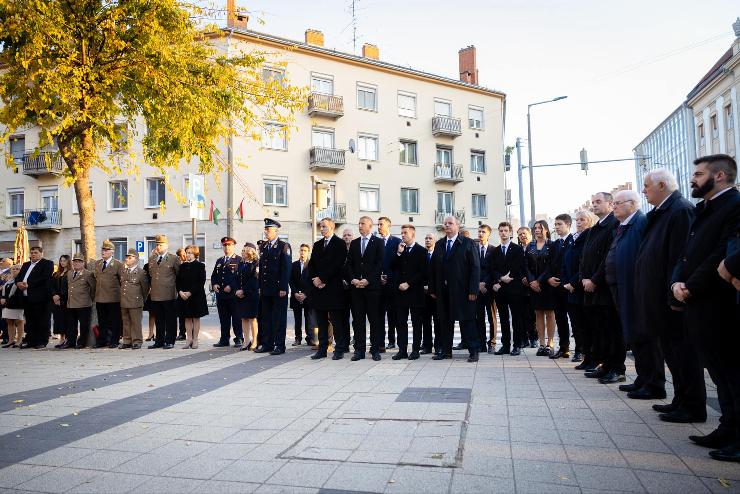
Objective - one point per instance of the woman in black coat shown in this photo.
(248, 297)
(59, 290)
(543, 295)
(191, 294)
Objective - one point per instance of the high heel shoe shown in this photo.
(188, 344)
(150, 338)
(194, 345)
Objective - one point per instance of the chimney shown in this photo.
(468, 67)
(370, 51)
(234, 18)
(314, 37)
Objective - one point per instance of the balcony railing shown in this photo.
(440, 215)
(326, 105)
(446, 126)
(326, 158)
(338, 213)
(43, 163)
(42, 219)
(449, 173)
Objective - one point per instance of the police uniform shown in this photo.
(274, 275)
(225, 273)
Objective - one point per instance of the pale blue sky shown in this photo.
(624, 65)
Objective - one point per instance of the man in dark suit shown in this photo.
(225, 282)
(658, 316)
(362, 274)
(454, 283)
(35, 282)
(506, 271)
(484, 302)
(325, 270)
(563, 223)
(712, 315)
(275, 263)
(387, 301)
(301, 310)
(430, 321)
(410, 266)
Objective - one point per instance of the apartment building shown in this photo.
(376, 139)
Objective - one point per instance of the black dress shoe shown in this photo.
(101, 345)
(136, 346)
(277, 351)
(414, 356)
(582, 366)
(460, 346)
(728, 453)
(337, 356)
(612, 377)
(181, 337)
(425, 351)
(491, 348)
(532, 343)
(629, 387)
(558, 354)
(155, 345)
(473, 357)
(391, 346)
(658, 407)
(220, 344)
(646, 394)
(597, 373)
(124, 346)
(150, 339)
(515, 352)
(263, 349)
(64, 346)
(502, 351)
(577, 357)
(438, 356)
(112, 346)
(400, 356)
(357, 356)
(316, 356)
(79, 346)
(238, 342)
(715, 440)
(168, 346)
(376, 357)
(683, 417)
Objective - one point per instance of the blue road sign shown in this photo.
(140, 246)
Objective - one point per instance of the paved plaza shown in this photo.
(215, 420)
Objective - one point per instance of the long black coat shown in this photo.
(192, 278)
(327, 264)
(461, 271)
(664, 239)
(595, 249)
(411, 268)
(368, 266)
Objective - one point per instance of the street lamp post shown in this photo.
(529, 148)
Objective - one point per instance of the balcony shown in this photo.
(439, 217)
(43, 163)
(42, 219)
(448, 173)
(338, 213)
(325, 105)
(446, 127)
(326, 159)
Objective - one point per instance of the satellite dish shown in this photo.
(351, 145)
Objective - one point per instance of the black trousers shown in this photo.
(430, 324)
(561, 318)
(365, 306)
(38, 322)
(165, 319)
(594, 333)
(483, 309)
(274, 320)
(341, 332)
(301, 313)
(181, 326)
(77, 317)
(575, 313)
(649, 364)
(615, 349)
(109, 322)
(387, 309)
(468, 329)
(687, 373)
(402, 326)
(530, 323)
(511, 313)
(229, 317)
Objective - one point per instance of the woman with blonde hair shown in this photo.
(248, 294)
(191, 293)
(11, 301)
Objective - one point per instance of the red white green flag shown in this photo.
(240, 211)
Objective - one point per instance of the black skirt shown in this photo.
(248, 306)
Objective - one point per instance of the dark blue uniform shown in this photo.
(225, 274)
(274, 275)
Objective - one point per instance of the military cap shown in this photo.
(132, 252)
(250, 244)
(270, 222)
(78, 257)
(228, 240)
(160, 239)
(108, 245)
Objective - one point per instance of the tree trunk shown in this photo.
(80, 165)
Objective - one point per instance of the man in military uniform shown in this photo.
(134, 290)
(163, 269)
(225, 282)
(80, 297)
(108, 302)
(275, 265)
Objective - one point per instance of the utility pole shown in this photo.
(522, 220)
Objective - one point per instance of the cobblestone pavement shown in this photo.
(216, 420)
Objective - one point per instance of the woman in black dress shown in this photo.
(59, 290)
(538, 255)
(191, 294)
(248, 294)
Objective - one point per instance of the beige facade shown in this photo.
(382, 140)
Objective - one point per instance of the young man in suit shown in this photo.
(387, 302)
(134, 290)
(163, 269)
(563, 223)
(410, 266)
(108, 289)
(80, 298)
(506, 271)
(485, 297)
(301, 311)
(363, 270)
(430, 321)
(35, 276)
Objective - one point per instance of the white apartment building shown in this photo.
(381, 139)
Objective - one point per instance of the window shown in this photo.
(15, 202)
(120, 247)
(410, 201)
(367, 147)
(75, 207)
(18, 148)
(154, 192)
(729, 118)
(444, 155)
(369, 198)
(480, 209)
(442, 108)
(408, 153)
(270, 75)
(475, 117)
(322, 138)
(150, 246)
(200, 241)
(367, 97)
(715, 129)
(274, 137)
(276, 192)
(478, 161)
(407, 104)
(49, 198)
(119, 195)
(322, 84)
(445, 202)
(700, 133)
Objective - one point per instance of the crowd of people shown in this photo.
(663, 285)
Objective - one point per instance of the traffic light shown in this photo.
(584, 160)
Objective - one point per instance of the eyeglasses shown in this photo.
(619, 203)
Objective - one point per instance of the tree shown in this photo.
(77, 69)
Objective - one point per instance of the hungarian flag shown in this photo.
(214, 214)
(240, 211)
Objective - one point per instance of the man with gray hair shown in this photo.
(658, 316)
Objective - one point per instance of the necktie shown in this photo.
(482, 252)
(620, 228)
(74, 276)
(429, 256)
(105, 265)
(503, 250)
(407, 249)
(449, 247)
(363, 245)
(159, 260)
(326, 242)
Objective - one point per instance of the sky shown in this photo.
(625, 66)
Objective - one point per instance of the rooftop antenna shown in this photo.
(354, 26)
